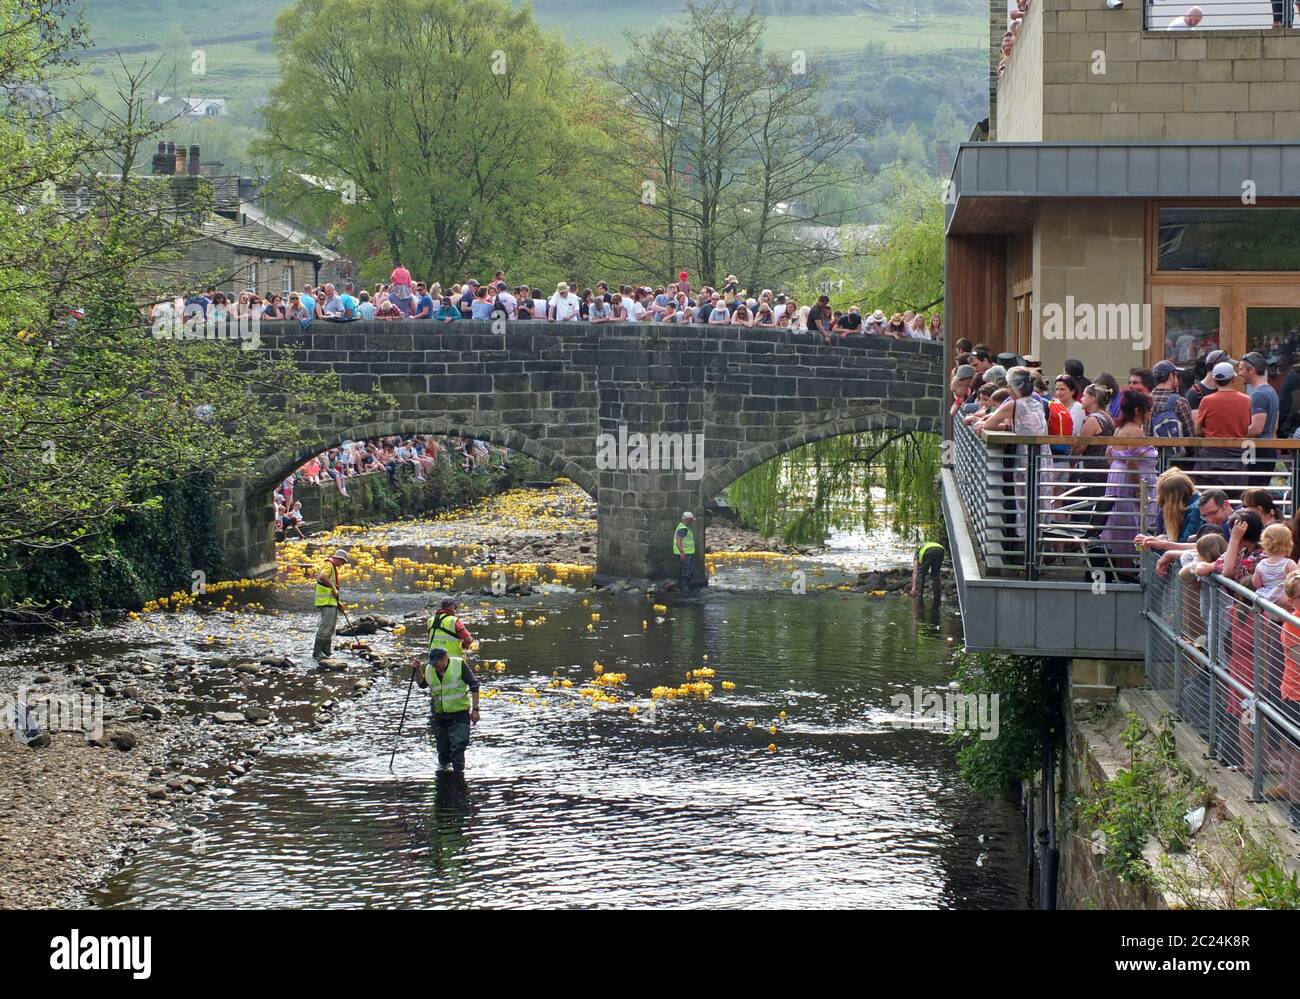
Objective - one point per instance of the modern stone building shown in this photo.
(1129, 165)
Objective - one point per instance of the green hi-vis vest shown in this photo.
(324, 595)
(442, 634)
(687, 544)
(451, 692)
(926, 548)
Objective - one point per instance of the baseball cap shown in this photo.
(1164, 369)
(1216, 356)
(1224, 372)
(965, 371)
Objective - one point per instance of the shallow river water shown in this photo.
(681, 802)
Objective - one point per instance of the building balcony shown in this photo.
(1042, 544)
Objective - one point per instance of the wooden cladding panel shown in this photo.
(975, 300)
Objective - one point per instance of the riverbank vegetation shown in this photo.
(99, 420)
(1159, 825)
(1028, 696)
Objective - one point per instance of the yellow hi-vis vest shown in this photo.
(686, 546)
(324, 595)
(926, 548)
(451, 692)
(442, 634)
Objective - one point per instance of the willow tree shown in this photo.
(887, 476)
(96, 414)
(447, 135)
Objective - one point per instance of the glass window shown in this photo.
(1275, 333)
(1191, 332)
(1229, 239)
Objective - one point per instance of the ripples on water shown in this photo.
(566, 805)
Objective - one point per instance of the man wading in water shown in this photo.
(452, 685)
(328, 603)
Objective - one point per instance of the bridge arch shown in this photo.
(555, 390)
(724, 475)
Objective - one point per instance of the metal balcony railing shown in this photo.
(1219, 15)
(1035, 514)
(1227, 662)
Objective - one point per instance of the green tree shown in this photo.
(448, 135)
(96, 413)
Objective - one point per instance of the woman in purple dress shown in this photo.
(1131, 467)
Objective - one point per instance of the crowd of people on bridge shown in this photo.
(403, 298)
(1201, 508)
(413, 456)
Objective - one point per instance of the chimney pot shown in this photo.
(194, 161)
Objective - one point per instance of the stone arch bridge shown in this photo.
(568, 394)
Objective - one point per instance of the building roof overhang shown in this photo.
(995, 185)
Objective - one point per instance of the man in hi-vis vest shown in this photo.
(684, 549)
(328, 603)
(453, 705)
(928, 559)
(452, 686)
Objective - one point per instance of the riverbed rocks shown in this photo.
(228, 717)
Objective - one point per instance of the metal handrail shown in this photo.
(1041, 515)
(1202, 678)
(1220, 15)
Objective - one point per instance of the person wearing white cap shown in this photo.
(684, 549)
(328, 603)
(1225, 414)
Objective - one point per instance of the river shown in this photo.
(798, 786)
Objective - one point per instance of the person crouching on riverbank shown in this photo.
(453, 706)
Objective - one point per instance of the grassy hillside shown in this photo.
(891, 69)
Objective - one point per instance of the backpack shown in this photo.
(1165, 421)
(1059, 424)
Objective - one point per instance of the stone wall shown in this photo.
(1020, 91)
(549, 389)
(1093, 251)
(1193, 85)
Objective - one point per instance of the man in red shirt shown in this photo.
(1224, 414)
